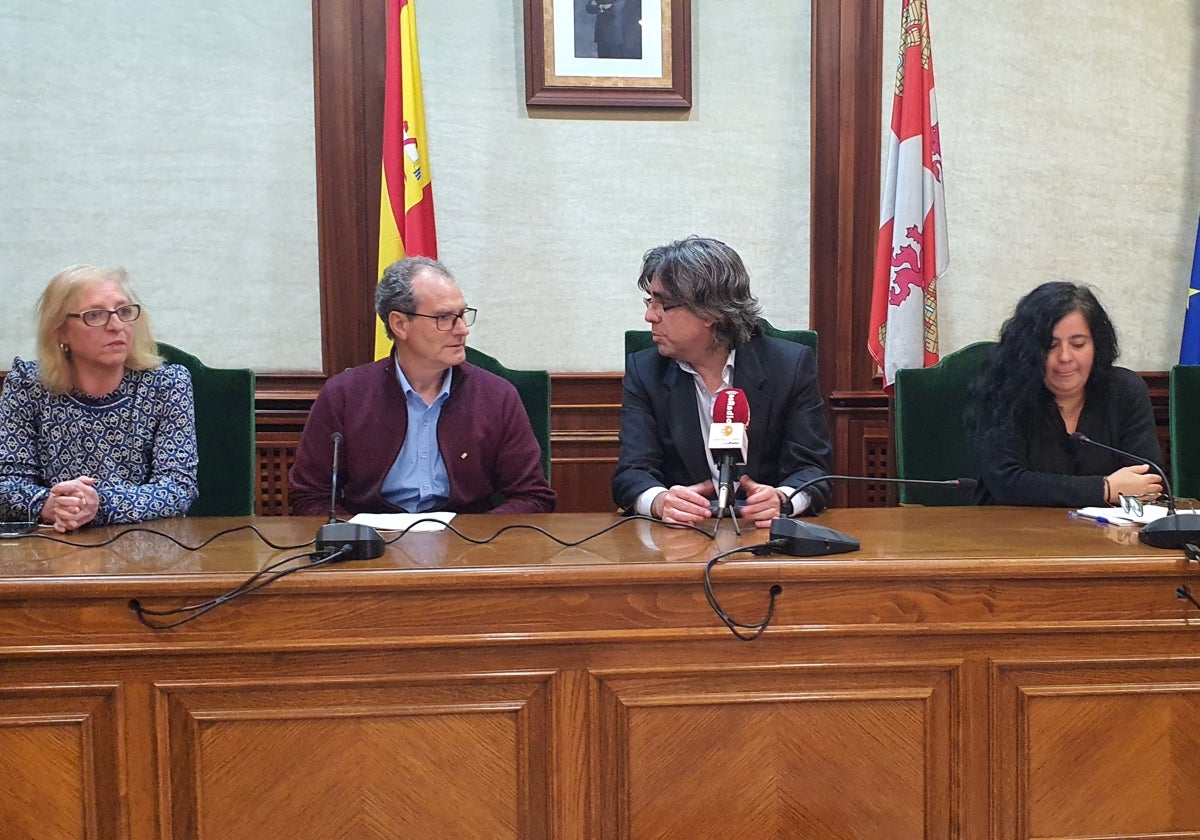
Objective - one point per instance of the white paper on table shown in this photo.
(1118, 516)
(401, 521)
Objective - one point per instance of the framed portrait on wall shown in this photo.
(608, 53)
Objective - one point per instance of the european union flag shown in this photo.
(1189, 348)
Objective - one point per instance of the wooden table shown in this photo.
(970, 673)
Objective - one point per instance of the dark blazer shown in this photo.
(661, 441)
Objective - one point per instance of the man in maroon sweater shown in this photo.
(422, 429)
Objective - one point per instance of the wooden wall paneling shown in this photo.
(1159, 384)
(348, 48)
(864, 438)
(847, 39)
(584, 425)
(846, 95)
(282, 403)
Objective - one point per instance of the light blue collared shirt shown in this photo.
(418, 480)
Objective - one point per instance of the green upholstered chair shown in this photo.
(533, 386)
(636, 340)
(1185, 425)
(931, 437)
(224, 435)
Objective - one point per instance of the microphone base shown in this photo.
(804, 539)
(364, 541)
(1174, 530)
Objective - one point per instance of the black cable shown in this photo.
(678, 526)
(230, 594)
(253, 583)
(735, 626)
(1185, 594)
(243, 588)
(140, 530)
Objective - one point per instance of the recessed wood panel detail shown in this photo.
(59, 763)
(1099, 749)
(376, 758)
(835, 752)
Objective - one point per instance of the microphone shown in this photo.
(805, 539)
(727, 440)
(1175, 530)
(333, 482)
(966, 485)
(352, 540)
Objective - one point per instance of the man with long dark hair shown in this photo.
(707, 336)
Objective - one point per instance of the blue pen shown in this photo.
(1074, 514)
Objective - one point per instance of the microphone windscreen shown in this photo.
(730, 406)
(967, 485)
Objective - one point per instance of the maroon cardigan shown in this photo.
(483, 434)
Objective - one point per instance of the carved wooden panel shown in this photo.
(274, 463)
(368, 758)
(835, 752)
(1098, 749)
(59, 757)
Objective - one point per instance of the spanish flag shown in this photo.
(406, 225)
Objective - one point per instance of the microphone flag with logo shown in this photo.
(727, 440)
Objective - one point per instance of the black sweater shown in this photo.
(1038, 464)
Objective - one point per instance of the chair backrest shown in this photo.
(533, 386)
(636, 340)
(931, 436)
(1185, 424)
(224, 435)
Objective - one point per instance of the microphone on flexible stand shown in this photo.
(728, 443)
(1175, 530)
(354, 540)
(805, 539)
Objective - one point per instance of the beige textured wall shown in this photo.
(175, 139)
(1069, 134)
(1068, 130)
(545, 216)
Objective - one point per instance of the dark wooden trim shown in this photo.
(348, 71)
(847, 39)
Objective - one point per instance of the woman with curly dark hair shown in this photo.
(1052, 375)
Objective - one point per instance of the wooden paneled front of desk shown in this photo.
(970, 673)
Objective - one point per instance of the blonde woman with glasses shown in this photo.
(98, 430)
